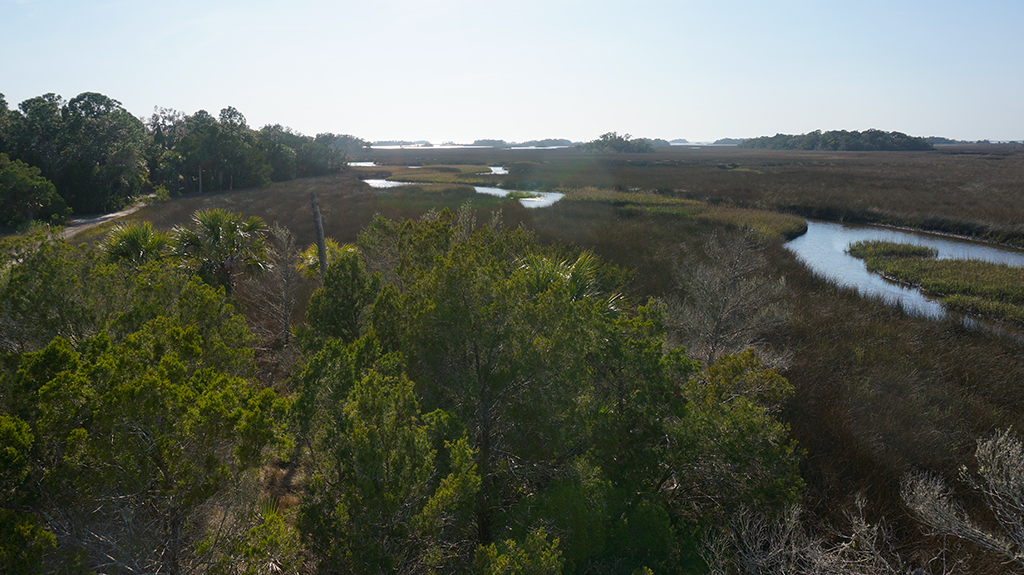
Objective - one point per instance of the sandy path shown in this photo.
(81, 224)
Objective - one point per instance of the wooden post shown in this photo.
(321, 244)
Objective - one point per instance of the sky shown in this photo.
(517, 70)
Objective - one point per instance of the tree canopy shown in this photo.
(840, 140)
(96, 157)
(612, 142)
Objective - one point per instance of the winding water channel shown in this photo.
(538, 200)
(823, 250)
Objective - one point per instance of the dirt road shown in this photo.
(81, 224)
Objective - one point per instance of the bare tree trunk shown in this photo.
(321, 244)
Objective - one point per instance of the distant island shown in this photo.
(613, 143)
(546, 143)
(658, 142)
(940, 141)
(841, 140)
(422, 143)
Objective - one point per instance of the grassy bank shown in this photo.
(990, 290)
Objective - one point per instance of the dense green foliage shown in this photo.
(91, 155)
(614, 143)
(25, 195)
(578, 422)
(467, 399)
(868, 140)
(90, 147)
(127, 421)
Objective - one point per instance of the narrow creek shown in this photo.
(538, 200)
(823, 250)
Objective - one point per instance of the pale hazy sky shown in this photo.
(459, 70)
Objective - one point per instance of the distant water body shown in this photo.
(542, 199)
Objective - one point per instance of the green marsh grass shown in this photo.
(766, 223)
(473, 175)
(991, 290)
(879, 249)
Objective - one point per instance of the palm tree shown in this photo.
(134, 243)
(219, 244)
(309, 260)
(580, 278)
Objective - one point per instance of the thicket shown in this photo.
(98, 157)
(464, 398)
(836, 140)
(612, 142)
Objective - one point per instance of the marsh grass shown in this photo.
(880, 249)
(515, 195)
(767, 224)
(437, 197)
(473, 175)
(990, 290)
(880, 392)
(971, 191)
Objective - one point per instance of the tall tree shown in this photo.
(91, 148)
(104, 154)
(37, 135)
(388, 493)
(5, 125)
(25, 195)
(138, 442)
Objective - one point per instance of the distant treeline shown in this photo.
(938, 141)
(402, 143)
(836, 140)
(90, 155)
(546, 143)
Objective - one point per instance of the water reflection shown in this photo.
(387, 183)
(823, 250)
(542, 199)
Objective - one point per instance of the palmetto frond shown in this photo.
(219, 243)
(580, 277)
(309, 260)
(134, 243)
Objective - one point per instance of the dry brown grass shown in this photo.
(966, 190)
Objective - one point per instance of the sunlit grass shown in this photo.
(982, 288)
(765, 223)
(437, 197)
(768, 224)
(877, 249)
(469, 174)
